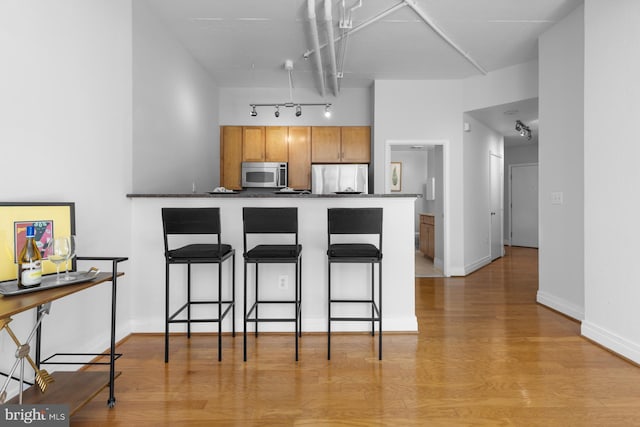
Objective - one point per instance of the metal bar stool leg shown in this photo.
(244, 317)
(166, 324)
(380, 310)
(329, 311)
(373, 299)
(297, 312)
(189, 300)
(257, 298)
(233, 295)
(219, 312)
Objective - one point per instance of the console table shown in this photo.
(72, 388)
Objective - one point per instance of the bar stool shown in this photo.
(197, 221)
(356, 221)
(259, 222)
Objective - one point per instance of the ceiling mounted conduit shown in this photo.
(429, 21)
(333, 72)
(311, 10)
(331, 39)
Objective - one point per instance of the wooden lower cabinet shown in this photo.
(427, 235)
(300, 157)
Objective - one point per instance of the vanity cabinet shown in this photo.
(427, 235)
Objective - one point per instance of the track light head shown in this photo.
(277, 112)
(523, 129)
(298, 111)
(327, 111)
(253, 111)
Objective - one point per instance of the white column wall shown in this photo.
(433, 110)
(175, 117)
(65, 127)
(611, 152)
(561, 159)
(479, 143)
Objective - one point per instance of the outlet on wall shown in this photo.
(283, 282)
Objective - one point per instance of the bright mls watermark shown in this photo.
(34, 415)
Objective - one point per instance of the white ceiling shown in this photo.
(244, 43)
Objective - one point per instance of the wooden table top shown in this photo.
(10, 305)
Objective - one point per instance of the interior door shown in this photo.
(496, 174)
(524, 205)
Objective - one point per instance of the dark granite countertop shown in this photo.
(249, 194)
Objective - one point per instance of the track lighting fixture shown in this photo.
(298, 108)
(523, 129)
(288, 66)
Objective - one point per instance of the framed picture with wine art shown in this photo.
(48, 219)
(396, 176)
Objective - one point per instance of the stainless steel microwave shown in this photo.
(264, 174)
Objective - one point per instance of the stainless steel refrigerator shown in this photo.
(346, 178)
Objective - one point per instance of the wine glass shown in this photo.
(72, 254)
(58, 253)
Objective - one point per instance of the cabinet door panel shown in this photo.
(325, 144)
(231, 157)
(300, 157)
(356, 144)
(253, 144)
(276, 147)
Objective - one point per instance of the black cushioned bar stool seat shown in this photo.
(197, 221)
(257, 223)
(355, 221)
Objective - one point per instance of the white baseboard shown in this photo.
(470, 268)
(612, 341)
(559, 304)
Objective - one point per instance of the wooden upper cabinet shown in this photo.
(325, 144)
(231, 157)
(253, 139)
(300, 157)
(276, 146)
(356, 144)
(346, 144)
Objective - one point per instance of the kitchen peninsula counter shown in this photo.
(398, 265)
(278, 194)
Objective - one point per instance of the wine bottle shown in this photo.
(29, 262)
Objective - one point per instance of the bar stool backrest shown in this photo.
(355, 221)
(190, 221)
(270, 221)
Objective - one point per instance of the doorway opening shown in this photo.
(420, 167)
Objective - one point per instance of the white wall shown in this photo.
(433, 110)
(561, 158)
(479, 143)
(437, 206)
(175, 117)
(515, 155)
(65, 132)
(611, 153)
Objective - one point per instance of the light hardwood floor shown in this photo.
(486, 354)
